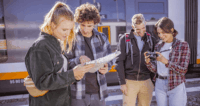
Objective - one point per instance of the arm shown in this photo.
(120, 61)
(43, 73)
(73, 56)
(108, 51)
(182, 66)
(151, 65)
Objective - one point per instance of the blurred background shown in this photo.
(20, 21)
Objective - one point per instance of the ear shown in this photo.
(53, 25)
(172, 29)
(133, 26)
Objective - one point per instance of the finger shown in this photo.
(106, 65)
(147, 57)
(145, 53)
(125, 92)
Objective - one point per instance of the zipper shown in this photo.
(139, 67)
(140, 61)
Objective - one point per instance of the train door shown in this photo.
(105, 30)
(3, 46)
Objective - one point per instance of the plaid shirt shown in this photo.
(99, 50)
(178, 62)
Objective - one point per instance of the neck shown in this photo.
(88, 35)
(170, 40)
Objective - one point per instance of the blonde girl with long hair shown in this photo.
(45, 62)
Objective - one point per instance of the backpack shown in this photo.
(129, 44)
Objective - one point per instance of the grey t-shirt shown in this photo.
(161, 68)
(139, 42)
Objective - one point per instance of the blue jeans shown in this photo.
(174, 97)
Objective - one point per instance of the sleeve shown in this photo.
(44, 74)
(152, 65)
(120, 61)
(73, 57)
(181, 67)
(108, 51)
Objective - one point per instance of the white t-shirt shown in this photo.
(161, 68)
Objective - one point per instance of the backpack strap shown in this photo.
(149, 41)
(129, 46)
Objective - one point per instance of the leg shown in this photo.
(95, 100)
(145, 93)
(130, 98)
(161, 93)
(178, 96)
(81, 102)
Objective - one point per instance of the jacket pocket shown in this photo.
(58, 62)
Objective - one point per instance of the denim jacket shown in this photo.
(43, 61)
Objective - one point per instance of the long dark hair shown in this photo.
(166, 25)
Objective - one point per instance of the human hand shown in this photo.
(83, 59)
(124, 89)
(104, 69)
(80, 70)
(147, 59)
(161, 58)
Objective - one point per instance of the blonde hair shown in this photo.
(60, 9)
(137, 19)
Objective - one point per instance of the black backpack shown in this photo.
(129, 44)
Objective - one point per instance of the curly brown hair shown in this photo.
(87, 12)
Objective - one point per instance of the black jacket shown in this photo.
(138, 70)
(43, 61)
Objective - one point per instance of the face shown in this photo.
(166, 37)
(140, 29)
(86, 28)
(63, 29)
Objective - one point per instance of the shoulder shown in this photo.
(124, 38)
(42, 42)
(182, 43)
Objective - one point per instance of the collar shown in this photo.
(53, 38)
(175, 42)
(144, 38)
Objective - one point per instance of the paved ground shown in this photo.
(115, 96)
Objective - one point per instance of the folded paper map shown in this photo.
(99, 63)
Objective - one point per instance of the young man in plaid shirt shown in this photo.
(171, 66)
(90, 45)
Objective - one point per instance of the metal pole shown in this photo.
(125, 12)
(117, 10)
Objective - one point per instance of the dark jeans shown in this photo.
(89, 100)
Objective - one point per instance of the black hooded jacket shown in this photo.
(138, 70)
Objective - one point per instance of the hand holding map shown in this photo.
(101, 61)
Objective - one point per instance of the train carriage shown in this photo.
(20, 21)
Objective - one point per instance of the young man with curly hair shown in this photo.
(90, 45)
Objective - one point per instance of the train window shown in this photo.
(3, 47)
(105, 30)
(153, 7)
(120, 30)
